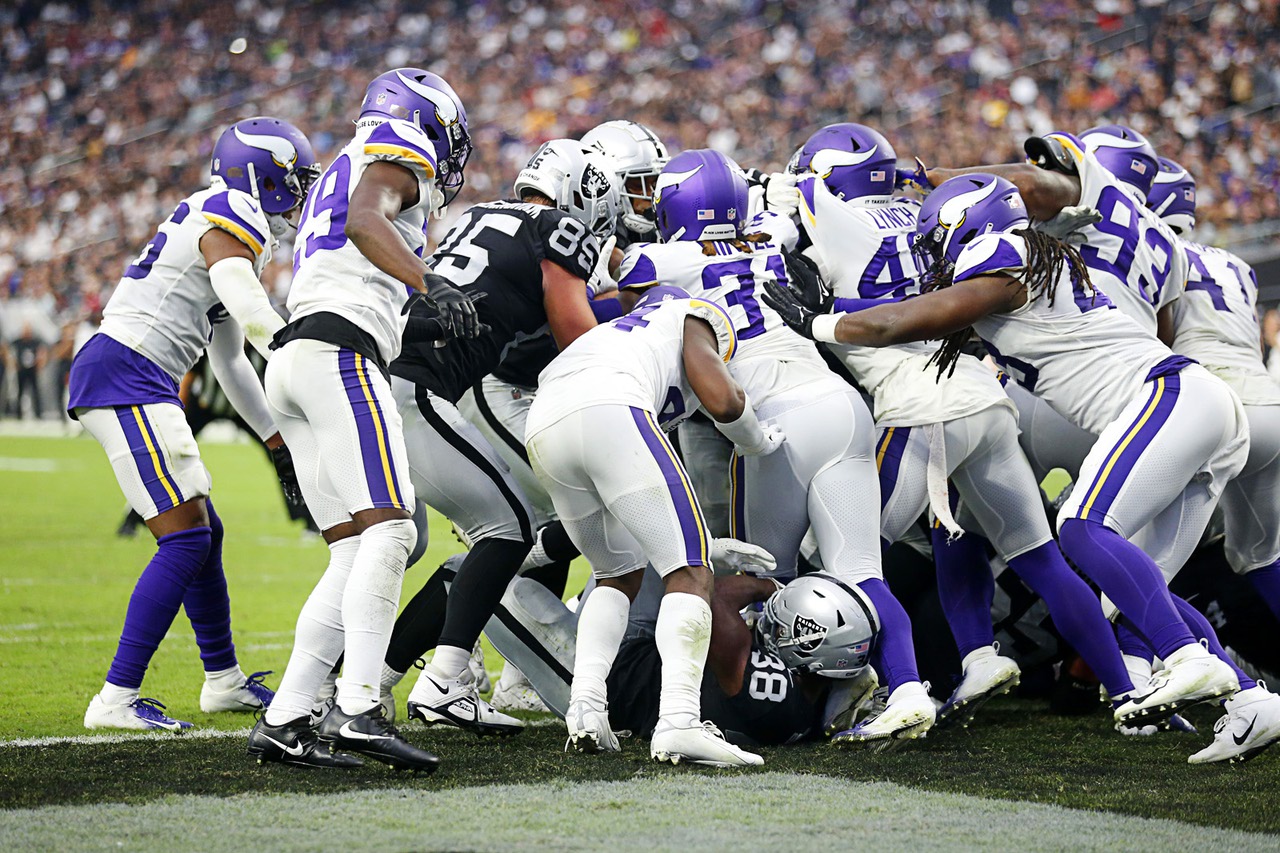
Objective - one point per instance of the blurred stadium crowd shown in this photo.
(110, 107)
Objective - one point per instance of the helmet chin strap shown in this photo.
(253, 182)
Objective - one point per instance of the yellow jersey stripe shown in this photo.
(884, 445)
(377, 426)
(236, 230)
(155, 455)
(403, 153)
(684, 481)
(1119, 448)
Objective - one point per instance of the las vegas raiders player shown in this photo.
(194, 288)
(528, 264)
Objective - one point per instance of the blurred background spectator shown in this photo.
(108, 108)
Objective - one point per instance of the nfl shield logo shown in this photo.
(381, 99)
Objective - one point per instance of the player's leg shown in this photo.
(158, 466)
(1251, 508)
(460, 475)
(1179, 428)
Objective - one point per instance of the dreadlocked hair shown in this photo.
(742, 244)
(1046, 258)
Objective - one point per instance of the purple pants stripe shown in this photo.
(375, 449)
(692, 528)
(738, 497)
(362, 364)
(889, 459)
(161, 487)
(1125, 455)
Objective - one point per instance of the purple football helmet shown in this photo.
(700, 195)
(661, 293)
(425, 99)
(1173, 196)
(853, 160)
(959, 210)
(1125, 153)
(269, 159)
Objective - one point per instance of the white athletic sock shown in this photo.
(317, 642)
(602, 620)
(225, 680)
(113, 694)
(369, 605)
(683, 634)
(390, 678)
(537, 556)
(450, 661)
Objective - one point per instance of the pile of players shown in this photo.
(524, 380)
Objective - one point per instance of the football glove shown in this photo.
(793, 312)
(432, 326)
(737, 556)
(601, 280)
(283, 461)
(1069, 222)
(807, 283)
(916, 179)
(1048, 153)
(457, 310)
(780, 193)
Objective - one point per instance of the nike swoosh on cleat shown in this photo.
(294, 750)
(346, 731)
(1240, 739)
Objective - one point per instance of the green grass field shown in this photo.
(1018, 779)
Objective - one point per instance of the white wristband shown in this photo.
(745, 432)
(824, 327)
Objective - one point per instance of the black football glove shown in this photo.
(430, 324)
(457, 310)
(794, 313)
(807, 284)
(283, 460)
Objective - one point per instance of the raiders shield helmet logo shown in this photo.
(807, 633)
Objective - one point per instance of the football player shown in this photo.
(1216, 323)
(934, 429)
(358, 252)
(627, 502)
(1170, 434)
(827, 476)
(193, 288)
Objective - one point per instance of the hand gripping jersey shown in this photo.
(164, 308)
(636, 360)
(1132, 255)
(497, 249)
(1084, 360)
(771, 358)
(864, 252)
(330, 275)
(1217, 324)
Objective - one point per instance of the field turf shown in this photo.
(64, 582)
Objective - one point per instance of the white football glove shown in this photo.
(780, 194)
(601, 281)
(771, 439)
(1069, 222)
(734, 555)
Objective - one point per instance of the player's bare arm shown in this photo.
(384, 191)
(565, 297)
(730, 636)
(931, 315)
(720, 395)
(1044, 192)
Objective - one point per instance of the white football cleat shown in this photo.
(908, 715)
(456, 702)
(1191, 676)
(139, 715)
(987, 674)
(251, 695)
(701, 743)
(1251, 724)
(513, 692)
(589, 729)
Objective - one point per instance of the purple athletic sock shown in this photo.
(209, 607)
(1132, 642)
(1130, 578)
(1266, 582)
(1076, 613)
(966, 588)
(894, 655)
(155, 601)
(1202, 630)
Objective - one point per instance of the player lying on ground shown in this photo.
(194, 288)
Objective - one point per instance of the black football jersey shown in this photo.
(495, 249)
(769, 710)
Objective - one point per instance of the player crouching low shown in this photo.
(595, 439)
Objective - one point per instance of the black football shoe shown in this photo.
(295, 742)
(372, 734)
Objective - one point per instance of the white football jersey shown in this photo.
(1132, 255)
(164, 307)
(733, 280)
(329, 272)
(1216, 323)
(863, 251)
(636, 360)
(1069, 347)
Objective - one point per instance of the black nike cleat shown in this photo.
(295, 742)
(372, 734)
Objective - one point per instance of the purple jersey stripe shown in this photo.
(692, 528)
(385, 134)
(375, 453)
(220, 205)
(1126, 453)
(642, 274)
(738, 497)
(160, 485)
(889, 459)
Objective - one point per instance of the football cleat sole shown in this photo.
(962, 713)
(429, 717)
(1158, 713)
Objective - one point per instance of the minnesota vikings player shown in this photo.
(194, 288)
(628, 502)
(358, 252)
(1216, 323)
(934, 428)
(1170, 434)
(826, 476)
